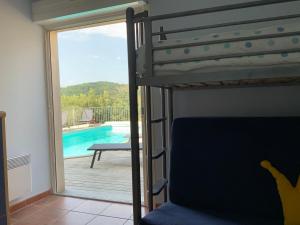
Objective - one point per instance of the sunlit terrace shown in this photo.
(109, 178)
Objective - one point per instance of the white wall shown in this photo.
(23, 89)
(271, 101)
(260, 101)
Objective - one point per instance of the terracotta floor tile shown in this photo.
(26, 212)
(103, 220)
(12, 221)
(51, 214)
(23, 223)
(33, 220)
(74, 218)
(48, 200)
(58, 210)
(66, 203)
(118, 210)
(15, 222)
(42, 217)
(92, 207)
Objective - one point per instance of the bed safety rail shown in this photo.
(229, 24)
(215, 9)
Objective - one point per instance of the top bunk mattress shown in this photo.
(206, 57)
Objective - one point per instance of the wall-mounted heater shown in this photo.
(19, 176)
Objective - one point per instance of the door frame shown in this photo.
(54, 113)
(54, 104)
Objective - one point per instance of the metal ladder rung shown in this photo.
(158, 155)
(159, 186)
(159, 120)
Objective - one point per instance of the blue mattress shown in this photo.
(216, 176)
(172, 214)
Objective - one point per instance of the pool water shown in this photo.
(75, 143)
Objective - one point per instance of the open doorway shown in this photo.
(93, 157)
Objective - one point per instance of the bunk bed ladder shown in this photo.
(161, 184)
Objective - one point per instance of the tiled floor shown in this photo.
(57, 210)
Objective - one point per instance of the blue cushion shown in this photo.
(172, 214)
(215, 164)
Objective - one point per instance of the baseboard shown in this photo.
(29, 201)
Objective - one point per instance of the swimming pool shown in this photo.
(75, 143)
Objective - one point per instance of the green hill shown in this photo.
(98, 87)
(97, 94)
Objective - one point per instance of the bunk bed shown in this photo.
(240, 57)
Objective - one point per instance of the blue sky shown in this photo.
(93, 54)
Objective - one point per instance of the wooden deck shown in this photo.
(110, 179)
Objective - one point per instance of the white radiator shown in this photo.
(19, 176)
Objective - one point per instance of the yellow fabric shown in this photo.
(290, 195)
